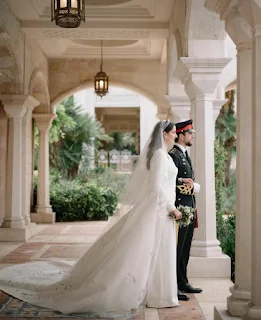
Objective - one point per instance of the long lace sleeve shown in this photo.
(158, 168)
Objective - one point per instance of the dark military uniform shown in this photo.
(185, 170)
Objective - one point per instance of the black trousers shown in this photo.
(183, 251)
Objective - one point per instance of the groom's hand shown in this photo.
(188, 181)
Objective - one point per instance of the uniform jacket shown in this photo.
(185, 170)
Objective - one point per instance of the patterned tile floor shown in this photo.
(69, 241)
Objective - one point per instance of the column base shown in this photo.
(44, 209)
(209, 267)
(221, 313)
(14, 224)
(252, 313)
(205, 248)
(238, 301)
(27, 220)
(43, 217)
(18, 235)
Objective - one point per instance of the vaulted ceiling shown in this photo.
(131, 29)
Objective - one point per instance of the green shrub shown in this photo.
(77, 201)
(226, 228)
(225, 205)
(220, 160)
(227, 235)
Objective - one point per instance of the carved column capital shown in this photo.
(16, 106)
(200, 75)
(44, 121)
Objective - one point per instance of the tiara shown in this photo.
(167, 122)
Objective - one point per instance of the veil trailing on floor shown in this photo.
(112, 277)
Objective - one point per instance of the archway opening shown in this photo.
(85, 125)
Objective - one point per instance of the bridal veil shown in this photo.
(112, 277)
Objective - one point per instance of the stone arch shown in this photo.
(230, 83)
(10, 71)
(89, 84)
(147, 105)
(38, 88)
(231, 86)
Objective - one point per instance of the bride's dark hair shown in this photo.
(156, 138)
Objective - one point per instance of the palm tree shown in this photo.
(70, 130)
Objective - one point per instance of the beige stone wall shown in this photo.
(11, 45)
(3, 157)
(147, 77)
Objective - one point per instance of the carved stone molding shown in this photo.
(178, 100)
(44, 121)
(16, 105)
(200, 75)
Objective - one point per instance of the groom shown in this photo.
(185, 189)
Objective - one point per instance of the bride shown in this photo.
(132, 264)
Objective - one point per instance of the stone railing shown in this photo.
(121, 161)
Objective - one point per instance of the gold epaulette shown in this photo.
(186, 189)
(173, 150)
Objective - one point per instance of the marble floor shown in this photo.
(70, 240)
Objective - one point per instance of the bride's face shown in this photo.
(169, 137)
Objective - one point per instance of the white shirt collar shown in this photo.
(181, 147)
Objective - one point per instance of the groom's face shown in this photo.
(188, 137)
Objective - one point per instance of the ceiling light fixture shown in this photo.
(101, 80)
(68, 13)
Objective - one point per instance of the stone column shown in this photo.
(44, 213)
(241, 291)
(200, 77)
(14, 227)
(3, 160)
(27, 161)
(254, 307)
(180, 107)
(15, 108)
(87, 100)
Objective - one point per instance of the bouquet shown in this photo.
(187, 215)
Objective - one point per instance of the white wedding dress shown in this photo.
(130, 266)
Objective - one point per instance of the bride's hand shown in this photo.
(177, 214)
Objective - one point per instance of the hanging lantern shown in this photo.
(101, 80)
(68, 13)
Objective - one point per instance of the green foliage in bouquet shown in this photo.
(187, 215)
